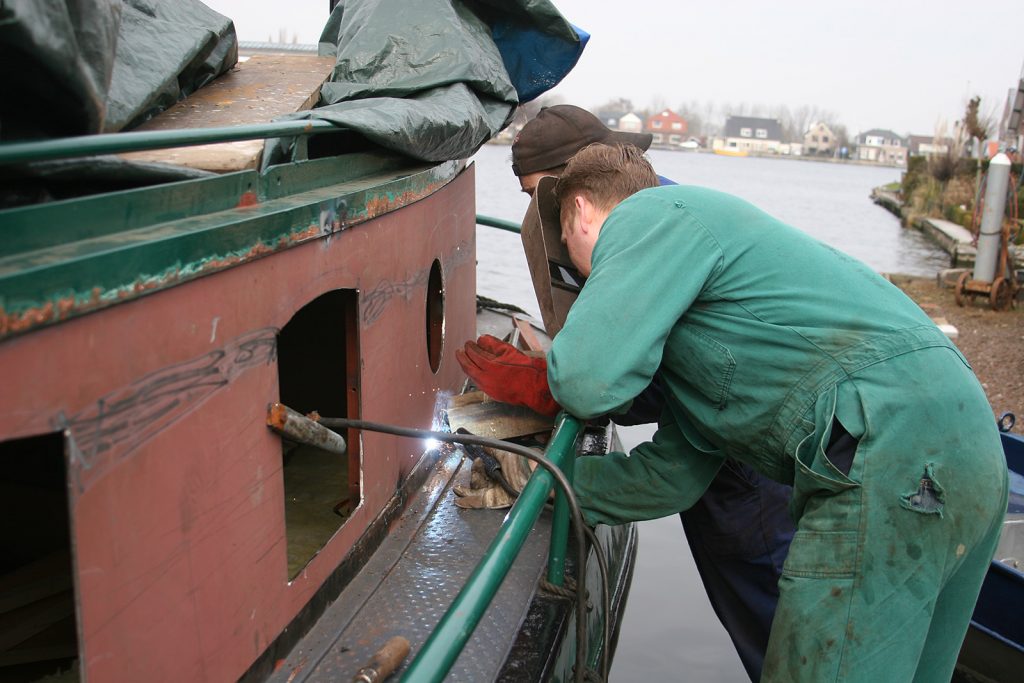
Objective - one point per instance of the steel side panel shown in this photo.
(176, 484)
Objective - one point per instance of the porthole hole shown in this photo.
(435, 316)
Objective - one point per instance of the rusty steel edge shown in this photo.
(60, 281)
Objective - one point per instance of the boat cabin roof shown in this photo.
(259, 89)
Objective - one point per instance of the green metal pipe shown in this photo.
(438, 654)
(499, 223)
(114, 143)
(560, 522)
(559, 542)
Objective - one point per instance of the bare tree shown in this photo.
(693, 113)
(790, 130)
(707, 118)
(803, 117)
(841, 134)
(737, 109)
(657, 105)
(712, 117)
(617, 104)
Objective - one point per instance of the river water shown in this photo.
(669, 632)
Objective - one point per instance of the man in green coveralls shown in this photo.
(780, 352)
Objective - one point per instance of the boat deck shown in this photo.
(993, 650)
(257, 90)
(410, 580)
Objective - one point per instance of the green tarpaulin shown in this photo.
(71, 67)
(432, 79)
(426, 78)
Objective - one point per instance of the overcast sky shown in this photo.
(899, 64)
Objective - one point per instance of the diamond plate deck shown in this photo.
(409, 582)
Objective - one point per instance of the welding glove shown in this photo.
(507, 374)
(485, 492)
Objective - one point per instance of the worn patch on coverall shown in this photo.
(928, 498)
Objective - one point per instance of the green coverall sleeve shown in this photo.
(658, 478)
(651, 261)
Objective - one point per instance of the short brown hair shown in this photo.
(605, 175)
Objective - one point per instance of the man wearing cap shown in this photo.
(548, 140)
(791, 357)
(739, 531)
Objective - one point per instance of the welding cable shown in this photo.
(578, 525)
(606, 600)
(492, 468)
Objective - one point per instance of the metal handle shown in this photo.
(384, 662)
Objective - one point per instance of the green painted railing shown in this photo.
(560, 521)
(559, 534)
(115, 143)
(438, 654)
(499, 223)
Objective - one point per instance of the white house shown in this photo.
(819, 140)
(882, 146)
(631, 123)
(751, 134)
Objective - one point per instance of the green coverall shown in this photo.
(762, 337)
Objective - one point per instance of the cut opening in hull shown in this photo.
(38, 619)
(317, 372)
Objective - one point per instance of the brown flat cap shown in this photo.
(558, 132)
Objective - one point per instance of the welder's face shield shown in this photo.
(556, 281)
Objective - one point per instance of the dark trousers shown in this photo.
(739, 533)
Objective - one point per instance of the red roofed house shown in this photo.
(667, 127)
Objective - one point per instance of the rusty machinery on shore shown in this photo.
(994, 275)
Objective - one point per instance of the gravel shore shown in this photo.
(993, 342)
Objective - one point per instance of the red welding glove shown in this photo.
(507, 374)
